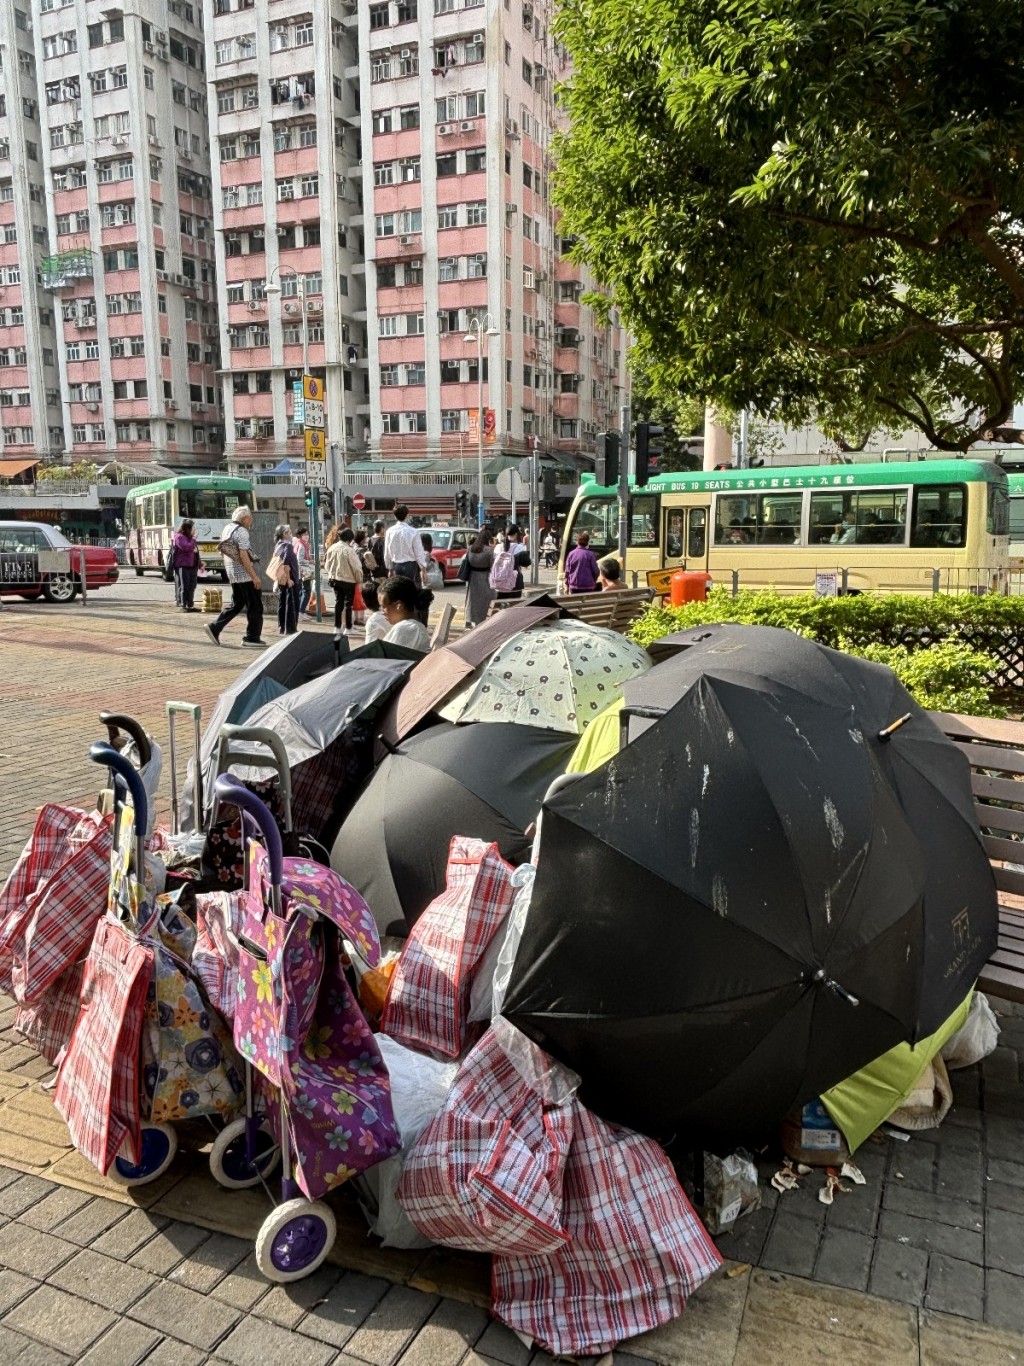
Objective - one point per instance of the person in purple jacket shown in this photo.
(581, 571)
(186, 566)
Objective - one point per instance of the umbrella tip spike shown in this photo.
(884, 736)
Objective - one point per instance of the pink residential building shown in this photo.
(129, 264)
(285, 125)
(462, 236)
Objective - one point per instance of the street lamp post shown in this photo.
(273, 290)
(478, 329)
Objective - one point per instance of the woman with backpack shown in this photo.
(504, 576)
(479, 593)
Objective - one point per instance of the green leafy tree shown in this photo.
(809, 208)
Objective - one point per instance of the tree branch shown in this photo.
(954, 331)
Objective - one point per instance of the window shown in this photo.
(476, 160)
(414, 324)
(389, 423)
(285, 190)
(446, 109)
(380, 16)
(451, 372)
(414, 422)
(304, 33)
(447, 269)
(476, 214)
(447, 165)
(310, 186)
(307, 135)
(388, 376)
(382, 121)
(448, 216)
(387, 325)
(416, 373)
(476, 104)
(409, 117)
(758, 519)
(413, 273)
(408, 11)
(254, 193)
(386, 276)
(939, 516)
(476, 266)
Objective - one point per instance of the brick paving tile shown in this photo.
(389, 1328)
(33, 1253)
(1004, 1300)
(211, 1262)
(92, 1220)
(62, 1321)
(255, 1342)
(13, 1287)
(23, 1351)
(907, 1200)
(857, 1211)
(475, 1358)
(447, 1336)
(19, 1195)
(914, 1163)
(57, 1207)
(195, 1319)
(999, 1196)
(792, 1244)
(1004, 1242)
(243, 1287)
(162, 1253)
(132, 1232)
(173, 1353)
(126, 1344)
(502, 1344)
(898, 1272)
(931, 1236)
(102, 1280)
(844, 1258)
(1010, 1173)
(351, 1301)
(955, 1287)
(286, 1305)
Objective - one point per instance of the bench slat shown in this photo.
(997, 789)
(1003, 850)
(979, 728)
(1002, 818)
(1006, 760)
(998, 981)
(1009, 882)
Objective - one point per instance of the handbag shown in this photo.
(278, 572)
(465, 570)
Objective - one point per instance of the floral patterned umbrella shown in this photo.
(556, 676)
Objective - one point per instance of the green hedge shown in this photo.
(916, 637)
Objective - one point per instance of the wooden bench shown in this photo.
(995, 751)
(617, 609)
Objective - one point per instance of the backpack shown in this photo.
(503, 575)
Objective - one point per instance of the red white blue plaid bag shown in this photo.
(215, 955)
(53, 898)
(486, 1173)
(50, 1021)
(427, 1003)
(98, 1082)
(635, 1251)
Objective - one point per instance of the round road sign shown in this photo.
(359, 502)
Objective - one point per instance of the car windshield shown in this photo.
(442, 539)
(56, 538)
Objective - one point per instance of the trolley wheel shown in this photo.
(159, 1145)
(295, 1239)
(228, 1164)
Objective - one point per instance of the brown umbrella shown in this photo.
(441, 672)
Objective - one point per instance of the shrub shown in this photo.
(928, 642)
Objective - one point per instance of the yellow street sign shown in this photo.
(315, 448)
(312, 387)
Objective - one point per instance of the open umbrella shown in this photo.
(727, 916)
(559, 675)
(444, 670)
(486, 782)
(327, 728)
(929, 774)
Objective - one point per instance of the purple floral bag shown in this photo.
(298, 1023)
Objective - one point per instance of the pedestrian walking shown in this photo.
(549, 549)
(520, 557)
(186, 565)
(581, 571)
(403, 549)
(246, 589)
(399, 601)
(304, 555)
(287, 593)
(479, 593)
(344, 570)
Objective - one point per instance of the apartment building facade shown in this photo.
(119, 249)
(287, 213)
(462, 237)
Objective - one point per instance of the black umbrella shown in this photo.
(485, 781)
(727, 917)
(930, 774)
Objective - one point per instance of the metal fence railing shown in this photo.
(838, 580)
(59, 576)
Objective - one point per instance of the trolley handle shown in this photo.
(230, 749)
(228, 790)
(102, 753)
(195, 712)
(115, 723)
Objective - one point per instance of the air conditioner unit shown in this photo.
(154, 141)
(406, 241)
(118, 140)
(255, 305)
(160, 36)
(291, 308)
(405, 54)
(180, 280)
(199, 407)
(92, 407)
(540, 70)
(162, 275)
(512, 128)
(283, 231)
(444, 129)
(162, 56)
(466, 126)
(449, 261)
(480, 257)
(147, 46)
(184, 153)
(313, 306)
(170, 405)
(478, 38)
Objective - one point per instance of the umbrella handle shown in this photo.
(230, 791)
(115, 722)
(102, 753)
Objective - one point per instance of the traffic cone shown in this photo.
(311, 608)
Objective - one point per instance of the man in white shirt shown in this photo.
(403, 549)
(246, 587)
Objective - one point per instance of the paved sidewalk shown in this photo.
(165, 1273)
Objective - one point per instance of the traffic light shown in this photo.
(307, 493)
(325, 501)
(462, 504)
(550, 491)
(649, 446)
(349, 509)
(474, 504)
(606, 463)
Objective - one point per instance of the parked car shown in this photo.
(450, 545)
(32, 538)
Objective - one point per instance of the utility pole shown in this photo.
(534, 513)
(623, 487)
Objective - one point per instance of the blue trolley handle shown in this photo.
(228, 790)
(123, 769)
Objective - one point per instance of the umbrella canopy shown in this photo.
(929, 774)
(727, 917)
(557, 676)
(482, 781)
(443, 670)
(327, 727)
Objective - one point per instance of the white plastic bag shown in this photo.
(419, 1087)
(976, 1037)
